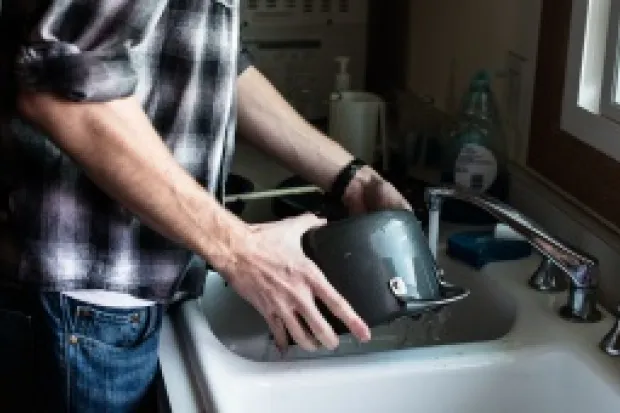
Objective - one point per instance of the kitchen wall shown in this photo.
(450, 39)
(531, 195)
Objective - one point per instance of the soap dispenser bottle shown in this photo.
(475, 158)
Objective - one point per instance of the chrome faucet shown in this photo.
(581, 268)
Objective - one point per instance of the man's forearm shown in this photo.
(268, 122)
(119, 149)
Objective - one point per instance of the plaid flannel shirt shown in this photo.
(181, 58)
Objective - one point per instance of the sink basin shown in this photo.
(545, 382)
(487, 314)
(503, 349)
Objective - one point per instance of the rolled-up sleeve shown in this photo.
(79, 50)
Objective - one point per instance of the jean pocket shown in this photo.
(121, 328)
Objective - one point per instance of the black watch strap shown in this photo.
(344, 178)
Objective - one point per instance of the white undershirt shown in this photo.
(105, 298)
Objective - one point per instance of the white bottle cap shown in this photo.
(506, 233)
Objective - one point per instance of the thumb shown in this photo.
(309, 220)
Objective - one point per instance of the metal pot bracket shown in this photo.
(448, 294)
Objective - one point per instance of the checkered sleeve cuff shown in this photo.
(78, 76)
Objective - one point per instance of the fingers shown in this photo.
(286, 297)
(307, 309)
(279, 332)
(319, 327)
(405, 205)
(342, 309)
(379, 194)
(400, 201)
(389, 197)
(299, 333)
(305, 322)
(309, 220)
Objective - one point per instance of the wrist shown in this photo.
(225, 251)
(354, 192)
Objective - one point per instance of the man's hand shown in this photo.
(369, 192)
(274, 275)
(269, 123)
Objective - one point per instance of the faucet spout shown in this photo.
(581, 268)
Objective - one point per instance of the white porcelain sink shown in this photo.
(487, 314)
(502, 350)
(546, 381)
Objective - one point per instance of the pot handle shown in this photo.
(449, 294)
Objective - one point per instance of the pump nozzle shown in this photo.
(343, 79)
(343, 61)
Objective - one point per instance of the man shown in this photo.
(122, 108)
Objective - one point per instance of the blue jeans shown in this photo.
(92, 359)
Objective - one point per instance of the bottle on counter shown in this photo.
(342, 83)
(475, 157)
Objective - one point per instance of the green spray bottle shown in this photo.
(475, 157)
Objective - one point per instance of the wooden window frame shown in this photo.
(576, 168)
(610, 104)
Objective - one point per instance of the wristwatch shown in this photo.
(344, 178)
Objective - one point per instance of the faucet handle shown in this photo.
(548, 278)
(611, 342)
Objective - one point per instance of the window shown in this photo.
(581, 168)
(610, 104)
(591, 107)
